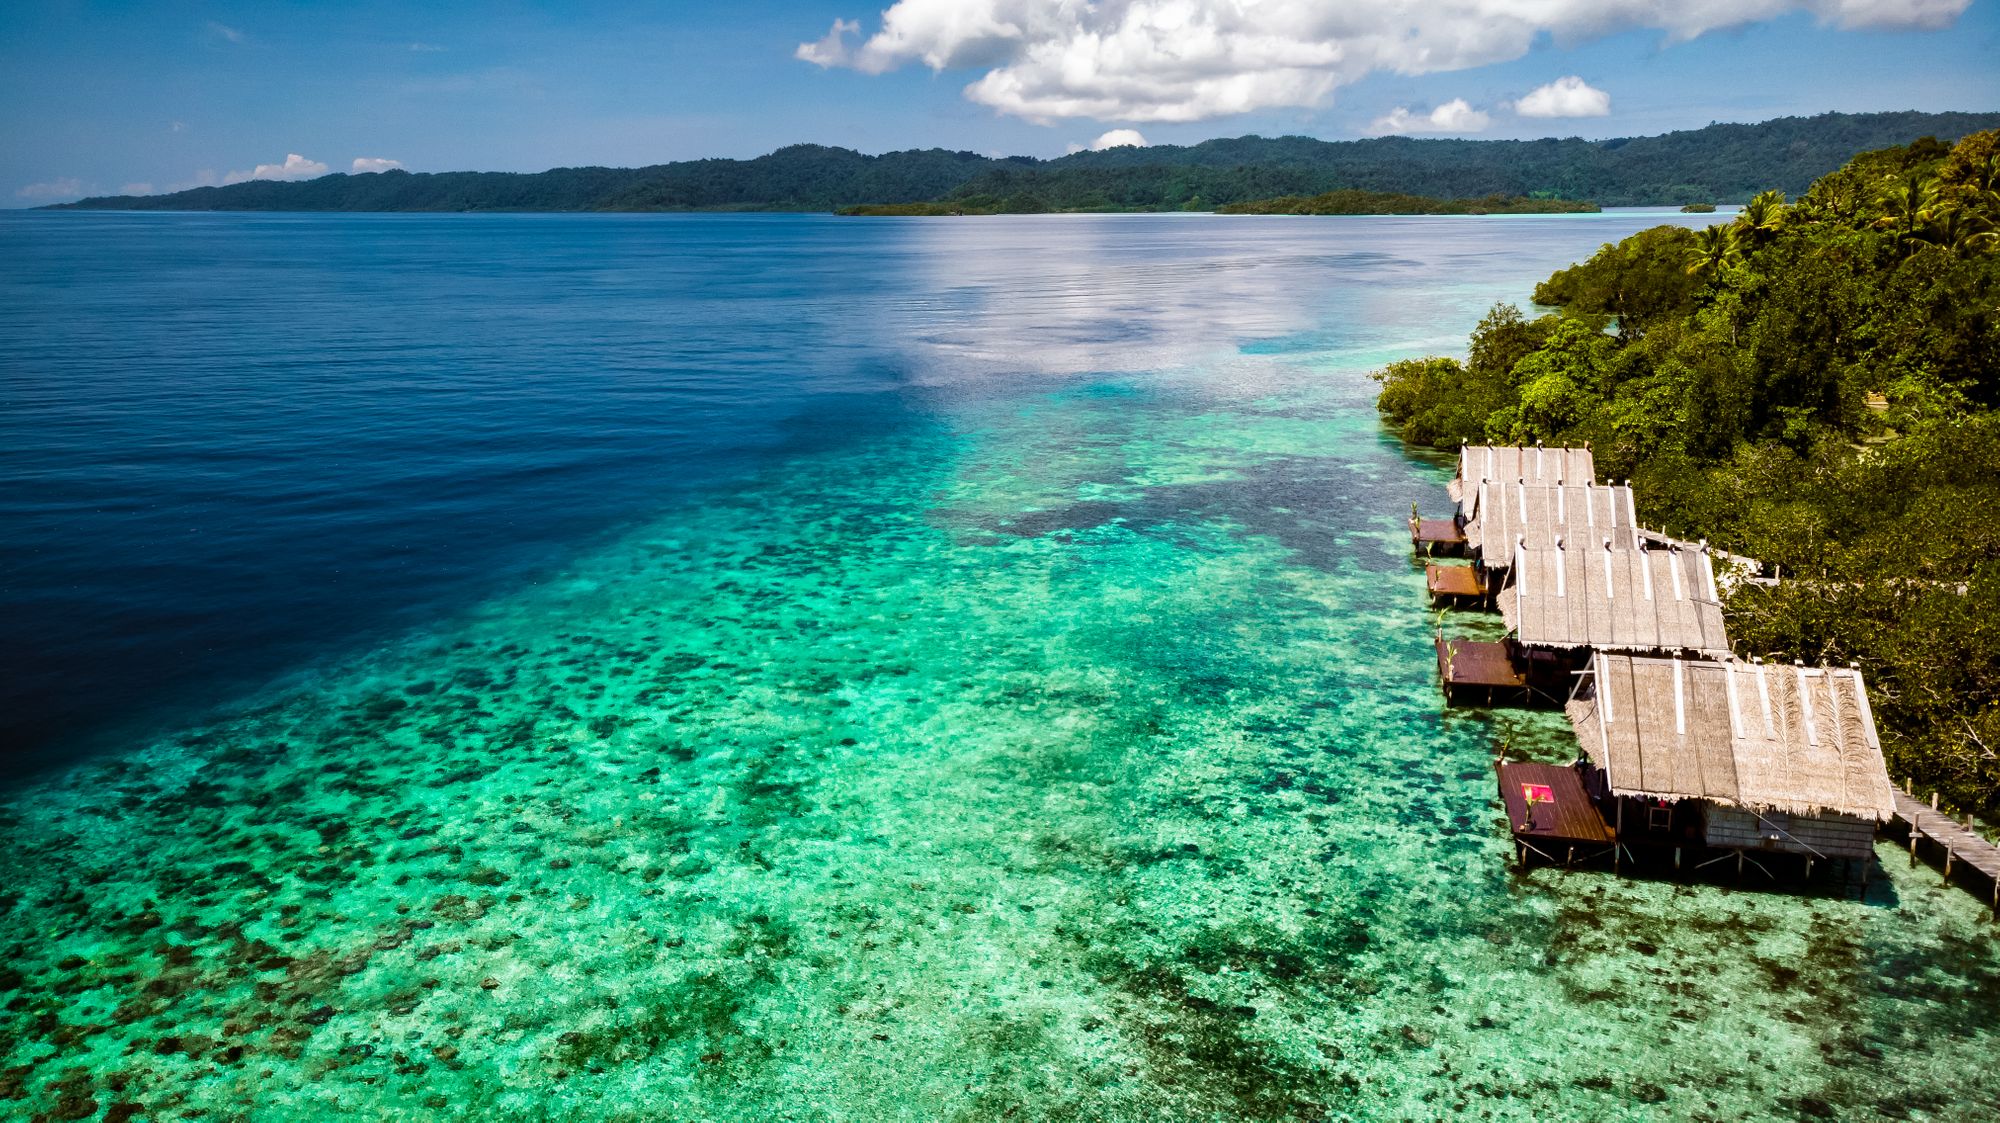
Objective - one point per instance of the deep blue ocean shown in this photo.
(233, 445)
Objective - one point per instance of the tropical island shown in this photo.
(1389, 202)
(1343, 202)
(1814, 384)
(1722, 162)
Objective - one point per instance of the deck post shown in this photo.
(1739, 865)
(1913, 846)
(1948, 856)
(1808, 869)
(1677, 857)
(1618, 836)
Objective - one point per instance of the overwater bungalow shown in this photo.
(1729, 760)
(1507, 464)
(1566, 601)
(1614, 593)
(1499, 518)
(1478, 465)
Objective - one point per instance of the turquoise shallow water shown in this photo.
(1068, 749)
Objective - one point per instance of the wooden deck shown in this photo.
(1562, 810)
(1481, 664)
(1457, 582)
(1960, 844)
(1437, 537)
(1551, 814)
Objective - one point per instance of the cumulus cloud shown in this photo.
(1116, 138)
(1119, 138)
(831, 49)
(1454, 116)
(364, 165)
(294, 167)
(1190, 60)
(65, 188)
(1565, 97)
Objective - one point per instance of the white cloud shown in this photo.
(136, 189)
(1116, 138)
(226, 31)
(831, 49)
(1190, 60)
(1565, 97)
(1454, 116)
(65, 188)
(364, 165)
(178, 127)
(294, 167)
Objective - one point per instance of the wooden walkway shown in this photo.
(1960, 844)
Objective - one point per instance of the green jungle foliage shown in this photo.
(1389, 202)
(1815, 384)
(1332, 202)
(1697, 208)
(1719, 162)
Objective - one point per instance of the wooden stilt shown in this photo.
(1739, 865)
(1913, 845)
(1948, 856)
(1677, 857)
(1808, 869)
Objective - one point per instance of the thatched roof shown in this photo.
(1600, 592)
(1507, 463)
(1500, 515)
(1766, 737)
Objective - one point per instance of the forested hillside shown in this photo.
(1720, 163)
(1815, 384)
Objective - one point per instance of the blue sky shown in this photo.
(96, 97)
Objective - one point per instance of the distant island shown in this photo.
(1330, 202)
(1719, 163)
(1389, 202)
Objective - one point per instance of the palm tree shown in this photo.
(1911, 203)
(1715, 248)
(1761, 217)
(1958, 228)
(1985, 176)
